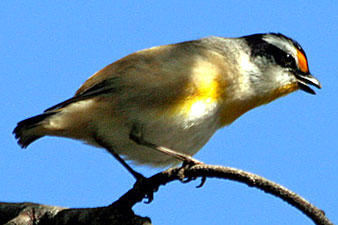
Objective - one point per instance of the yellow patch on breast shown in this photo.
(204, 91)
(203, 100)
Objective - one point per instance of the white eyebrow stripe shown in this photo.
(283, 44)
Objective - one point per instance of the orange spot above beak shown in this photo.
(302, 62)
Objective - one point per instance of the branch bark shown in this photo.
(120, 212)
(36, 214)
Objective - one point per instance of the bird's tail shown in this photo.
(29, 130)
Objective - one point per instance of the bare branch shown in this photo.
(120, 212)
(144, 189)
(30, 213)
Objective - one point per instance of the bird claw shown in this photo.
(145, 188)
(187, 164)
(203, 180)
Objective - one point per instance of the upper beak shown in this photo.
(304, 80)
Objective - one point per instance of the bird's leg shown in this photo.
(141, 183)
(188, 161)
(135, 174)
(136, 135)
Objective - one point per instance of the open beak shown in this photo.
(304, 80)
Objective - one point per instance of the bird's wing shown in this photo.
(158, 75)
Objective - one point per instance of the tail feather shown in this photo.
(21, 131)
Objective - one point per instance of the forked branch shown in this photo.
(120, 211)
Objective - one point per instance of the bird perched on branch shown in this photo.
(174, 97)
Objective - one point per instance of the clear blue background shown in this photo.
(49, 48)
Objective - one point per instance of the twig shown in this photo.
(146, 188)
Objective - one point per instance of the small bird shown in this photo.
(175, 96)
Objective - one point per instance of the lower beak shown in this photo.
(304, 80)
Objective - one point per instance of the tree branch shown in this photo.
(36, 214)
(120, 212)
(139, 191)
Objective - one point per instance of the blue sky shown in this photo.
(49, 48)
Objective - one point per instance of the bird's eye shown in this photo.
(287, 61)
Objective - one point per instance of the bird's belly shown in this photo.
(178, 132)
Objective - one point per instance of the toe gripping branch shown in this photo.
(145, 188)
